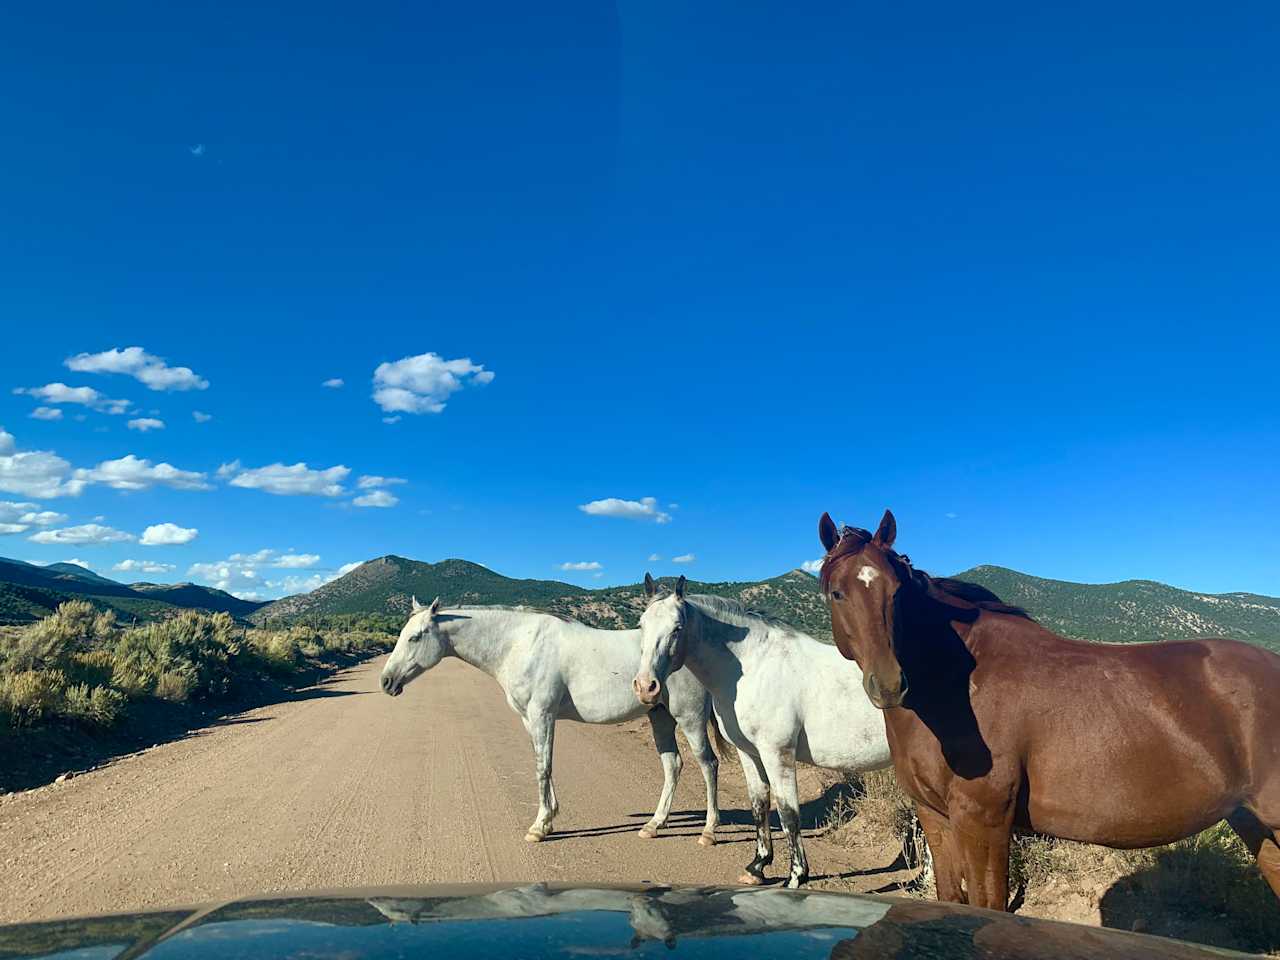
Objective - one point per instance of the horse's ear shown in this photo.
(435, 606)
(650, 588)
(680, 585)
(827, 532)
(417, 607)
(888, 531)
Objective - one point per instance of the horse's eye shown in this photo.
(837, 595)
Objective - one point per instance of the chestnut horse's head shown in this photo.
(860, 580)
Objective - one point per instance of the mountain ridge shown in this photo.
(1123, 612)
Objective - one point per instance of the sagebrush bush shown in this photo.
(30, 696)
(75, 627)
(79, 665)
(93, 706)
(172, 686)
(199, 646)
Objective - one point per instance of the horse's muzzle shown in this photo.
(647, 690)
(391, 687)
(883, 696)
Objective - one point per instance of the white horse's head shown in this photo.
(662, 640)
(420, 647)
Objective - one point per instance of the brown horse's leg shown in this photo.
(985, 853)
(1261, 840)
(981, 816)
(946, 858)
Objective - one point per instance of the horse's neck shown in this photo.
(482, 639)
(718, 645)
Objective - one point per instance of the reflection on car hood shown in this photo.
(545, 920)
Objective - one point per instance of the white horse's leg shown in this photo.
(541, 725)
(664, 738)
(695, 731)
(758, 788)
(782, 776)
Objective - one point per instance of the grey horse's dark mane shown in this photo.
(454, 608)
(734, 608)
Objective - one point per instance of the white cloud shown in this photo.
(197, 151)
(241, 574)
(373, 482)
(290, 481)
(953, 516)
(646, 508)
(581, 565)
(77, 561)
(654, 558)
(167, 535)
(34, 473)
(133, 473)
(143, 566)
(85, 396)
(21, 517)
(201, 417)
(299, 584)
(348, 567)
(684, 558)
(392, 419)
(423, 383)
(295, 561)
(46, 413)
(376, 498)
(86, 533)
(334, 383)
(137, 363)
(812, 566)
(143, 424)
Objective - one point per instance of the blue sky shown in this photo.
(1008, 270)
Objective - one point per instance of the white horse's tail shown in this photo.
(723, 747)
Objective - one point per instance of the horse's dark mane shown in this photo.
(853, 539)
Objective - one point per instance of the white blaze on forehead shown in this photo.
(867, 574)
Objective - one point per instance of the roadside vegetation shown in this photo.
(80, 668)
(1206, 888)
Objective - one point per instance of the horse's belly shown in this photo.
(1112, 806)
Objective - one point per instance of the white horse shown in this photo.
(553, 668)
(779, 696)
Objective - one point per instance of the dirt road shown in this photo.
(349, 787)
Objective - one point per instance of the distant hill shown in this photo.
(29, 592)
(1134, 609)
(193, 595)
(83, 573)
(1116, 612)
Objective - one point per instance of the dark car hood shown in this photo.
(548, 920)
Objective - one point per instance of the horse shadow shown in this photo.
(1204, 893)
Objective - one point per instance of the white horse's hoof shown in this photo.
(707, 840)
(648, 833)
(751, 880)
(533, 837)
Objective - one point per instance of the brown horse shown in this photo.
(997, 724)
